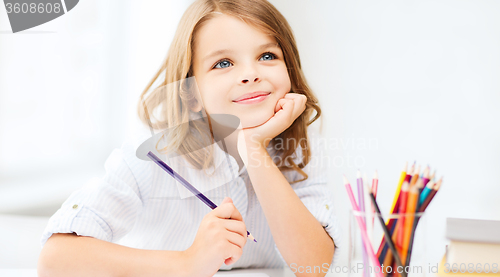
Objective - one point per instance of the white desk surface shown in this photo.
(271, 272)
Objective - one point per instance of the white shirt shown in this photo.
(139, 205)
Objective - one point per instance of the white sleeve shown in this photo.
(316, 193)
(105, 209)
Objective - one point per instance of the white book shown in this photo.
(473, 241)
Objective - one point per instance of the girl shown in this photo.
(233, 57)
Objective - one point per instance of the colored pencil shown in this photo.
(187, 185)
(395, 224)
(402, 210)
(398, 189)
(411, 207)
(382, 249)
(374, 191)
(433, 175)
(426, 175)
(361, 200)
(431, 195)
(368, 209)
(425, 192)
(375, 184)
(420, 209)
(362, 228)
(387, 235)
(415, 177)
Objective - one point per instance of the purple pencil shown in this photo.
(361, 201)
(187, 185)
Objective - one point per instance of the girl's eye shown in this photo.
(222, 64)
(268, 56)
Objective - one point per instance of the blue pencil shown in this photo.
(187, 185)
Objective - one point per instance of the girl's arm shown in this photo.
(300, 238)
(72, 255)
(220, 239)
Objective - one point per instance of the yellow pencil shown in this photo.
(398, 189)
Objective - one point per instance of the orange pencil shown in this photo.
(415, 177)
(410, 211)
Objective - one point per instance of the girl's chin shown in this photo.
(254, 122)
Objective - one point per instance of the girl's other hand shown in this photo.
(287, 109)
(220, 239)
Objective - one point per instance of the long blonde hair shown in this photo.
(171, 100)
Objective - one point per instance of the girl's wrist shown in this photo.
(255, 141)
(187, 266)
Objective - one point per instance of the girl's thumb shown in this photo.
(227, 200)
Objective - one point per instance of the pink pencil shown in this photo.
(374, 191)
(362, 227)
(375, 184)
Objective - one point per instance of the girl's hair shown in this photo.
(168, 105)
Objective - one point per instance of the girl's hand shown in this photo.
(220, 239)
(286, 111)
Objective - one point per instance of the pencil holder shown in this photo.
(408, 233)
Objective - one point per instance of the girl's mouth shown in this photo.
(252, 98)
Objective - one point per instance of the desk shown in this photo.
(20, 272)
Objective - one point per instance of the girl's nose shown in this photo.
(250, 74)
(244, 81)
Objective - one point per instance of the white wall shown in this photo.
(422, 79)
(418, 79)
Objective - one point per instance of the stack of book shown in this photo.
(474, 248)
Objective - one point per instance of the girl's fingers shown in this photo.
(227, 210)
(284, 104)
(279, 105)
(237, 227)
(233, 253)
(300, 102)
(236, 239)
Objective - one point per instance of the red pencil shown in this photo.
(402, 210)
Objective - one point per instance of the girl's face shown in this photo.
(239, 70)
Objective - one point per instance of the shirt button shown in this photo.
(328, 208)
(75, 207)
